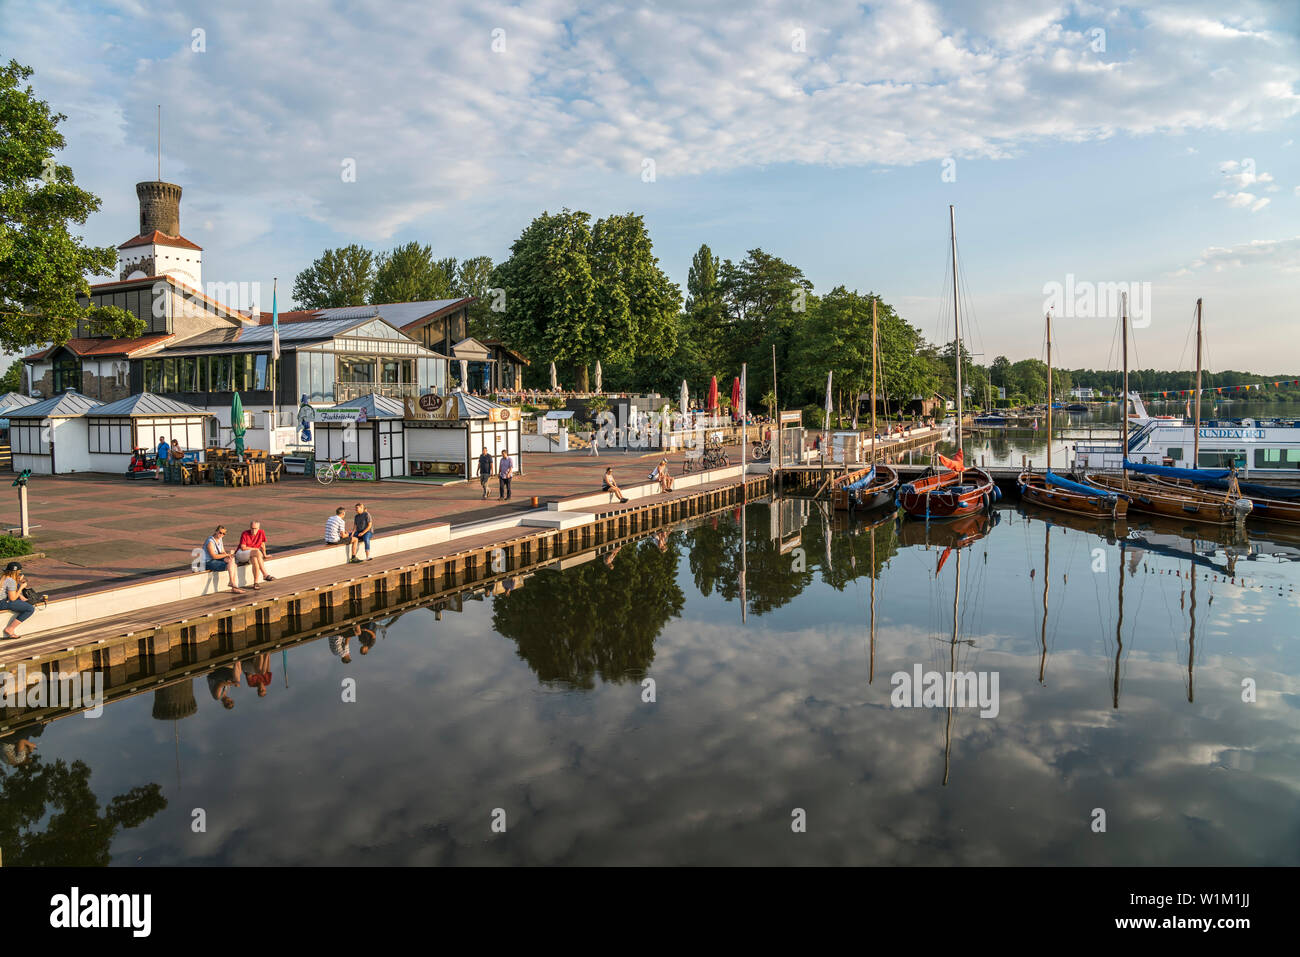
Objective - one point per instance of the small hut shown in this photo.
(141, 422)
(447, 436)
(49, 437)
(368, 432)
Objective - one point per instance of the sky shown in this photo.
(1088, 146)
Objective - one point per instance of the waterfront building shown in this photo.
(198, 351)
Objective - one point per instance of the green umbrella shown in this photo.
(237, 423)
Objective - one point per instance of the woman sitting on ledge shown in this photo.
(611, 486)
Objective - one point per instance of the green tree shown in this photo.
(576, 293)
(702, 345)
(409, 273)
(13, 379)
(338, 277)
(474, 278)
(49, 816)
(767, 302)
(42, 264)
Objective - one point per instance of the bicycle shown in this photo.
(762, 450)
(715, 458)
(327, 473)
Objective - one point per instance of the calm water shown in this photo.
(532, 702)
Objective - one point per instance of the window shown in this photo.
(261, 379)
(201, 380)
(1277, 459)
(185, 374)
(1222, 459)
(30, 438)
(67, 374)
(109, 435)
(356, 370)
(169, 375)
(1174, 453)
(152, 371)
(220, 373)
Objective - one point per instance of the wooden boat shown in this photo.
(1051, 490)
(958, 491)
(875, 490)
(955, 534)
(1139, 481)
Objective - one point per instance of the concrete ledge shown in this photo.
(570, 520)
(649, 491)
(189, 584)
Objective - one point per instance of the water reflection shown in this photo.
(1121, 651)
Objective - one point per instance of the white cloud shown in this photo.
(1282, 255)
(437, 121)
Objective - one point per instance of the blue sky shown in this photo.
(1159, 150)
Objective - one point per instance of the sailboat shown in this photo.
(1053, 491)
(956, 491)
(1148, 493)
(1267, 502)
(879, 485)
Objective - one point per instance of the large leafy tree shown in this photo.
(338, 277)
(767, 301)
(12, 380)
(43, 266)
(409, 273)
(474, 278)
(575, 293)
(705, 319)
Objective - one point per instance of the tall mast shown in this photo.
(956, 321)
(1123, 298)
(952, 665)
(1047, 572)
(1049, 391)
(1191, 641)
(875, 358)
(1119, 625)
(1196, 431)
(871, 673)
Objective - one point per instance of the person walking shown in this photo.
(505, 472)
(594, 450)
(484, 469)
(363, 527)
(13, 597)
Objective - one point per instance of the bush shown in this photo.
(11, 546)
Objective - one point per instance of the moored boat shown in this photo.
(875, 489)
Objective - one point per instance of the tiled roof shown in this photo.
(67, 405)
(105, 347)
(146, 403)
(159, 238)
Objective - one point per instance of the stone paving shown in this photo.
(98, 529)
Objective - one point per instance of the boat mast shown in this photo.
(1119, 625)
(1049, 390)
(875, 359)
(952, 666)
(1123, 298)
(956, 321)
(1196, 431)
(1191, 641)
(1047, 572)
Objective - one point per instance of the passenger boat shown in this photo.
(954, 491)
(1147, 492)
(1051, 490)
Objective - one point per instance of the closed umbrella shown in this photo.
(598, 382)
(685, 399)
(735, 397)
(554, 382)
(713, 394)
(237, 423)
(464, 374)
(826, 440)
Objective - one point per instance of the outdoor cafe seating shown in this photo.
(222, 466)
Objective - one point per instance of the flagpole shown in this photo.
(275, 360)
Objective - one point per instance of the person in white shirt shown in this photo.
(336, 528)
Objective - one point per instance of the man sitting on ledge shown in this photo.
(336, 529)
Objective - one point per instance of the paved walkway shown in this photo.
(99, 529)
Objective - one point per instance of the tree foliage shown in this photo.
(338, 277)
(43, 265)
(409, 273)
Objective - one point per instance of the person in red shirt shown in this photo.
(252, 551)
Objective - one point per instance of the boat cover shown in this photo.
(1077, 488)
(864, 481)
(1252, 490)
(1166, 471)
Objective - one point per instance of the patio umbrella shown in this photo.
(554, 383)
(464, 374)
(685, 398)
(713, 394)
(598, 382)
(735, 397)
(237, 422)
(828, 408)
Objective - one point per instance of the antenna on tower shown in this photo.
(160, 142)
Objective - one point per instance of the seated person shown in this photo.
(252, 551)
(611, 486)
(216, 558)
